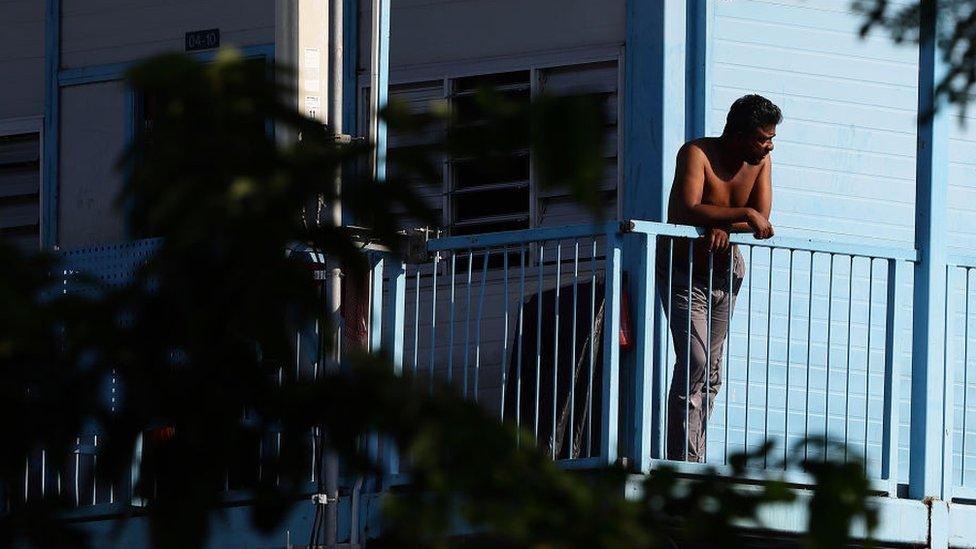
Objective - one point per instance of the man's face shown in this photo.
(756, 145)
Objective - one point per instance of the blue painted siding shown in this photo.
(848, 138)
(844, 169)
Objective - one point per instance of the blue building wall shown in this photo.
(844, 170)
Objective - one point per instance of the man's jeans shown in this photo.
(698, 369)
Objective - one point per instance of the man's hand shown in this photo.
(717, 239)
(761, 228)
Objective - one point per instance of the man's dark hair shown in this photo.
(751, 112)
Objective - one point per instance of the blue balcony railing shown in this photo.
(529, 324)
(565, 332)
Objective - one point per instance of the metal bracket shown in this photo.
(323, 499)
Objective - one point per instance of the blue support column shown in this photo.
(654, 105)
(52, 117)
(696, 92)
(647, 407)
(931, 440)
(609, 414)
(654, 130)
(393, 343)
(380, 81)
(350, 65)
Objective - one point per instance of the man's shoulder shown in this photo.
(696, 149)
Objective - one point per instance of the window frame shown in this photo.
(536, 65)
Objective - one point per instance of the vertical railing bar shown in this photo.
(433, 320)
(847, 381)
(668, 368)
(538, 338)
(572, 359)
(521, 332)
(589, 387)
(947, 380)
(867, 362)
(95, 470)
(416, 326)
(298, 354)
(745, 430)
(27, 479)
(965, 382)
(450, 337)
(893, 322)
(504, 372)
(769, 337)
(43, 473)
(555, 348)
(789, 335)
(830, 304)
(467, 324)
(708, 356)
(691, 268)
(806, 406)
(477, 344)
(77, 473)
(728, 355)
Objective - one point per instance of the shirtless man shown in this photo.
(723, 184)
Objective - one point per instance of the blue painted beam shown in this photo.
(930, 449)
(52, 116)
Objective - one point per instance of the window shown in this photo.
(498, 193)
(493, 193)
(555, 206)
(20, 175)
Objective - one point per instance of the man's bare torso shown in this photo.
(729, 186)
(726, 183)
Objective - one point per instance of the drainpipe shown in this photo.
(335, 274)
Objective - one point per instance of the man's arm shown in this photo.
(689, 185)
(760, 200)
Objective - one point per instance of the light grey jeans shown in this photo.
(697, 373)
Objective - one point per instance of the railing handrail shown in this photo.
(784, 242)
(521, 236)
(828, 246)
(961, 260)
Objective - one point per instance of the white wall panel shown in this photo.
(22, 58)
(454, 31)
(92, 139)
(111, 31)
